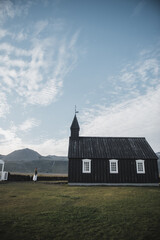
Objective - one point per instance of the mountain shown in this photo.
(29, 155)
(22, 155)
(26, 160)
(2, 156)
(55, 158)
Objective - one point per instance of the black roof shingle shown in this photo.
(110, 148)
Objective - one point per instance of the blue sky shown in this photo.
(102, 56)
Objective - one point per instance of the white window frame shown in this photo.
(140, 161)
(116, 165)
(84, 161)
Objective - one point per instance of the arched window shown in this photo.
(113, 165)
(86, 166)
(140, 166)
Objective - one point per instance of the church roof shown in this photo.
(75, 124)
(110, 148)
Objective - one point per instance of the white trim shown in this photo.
(113, 163)
(3, 174)
(140, 166)
(86, 165)
(116, 184)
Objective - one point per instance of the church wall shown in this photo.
(100, 172)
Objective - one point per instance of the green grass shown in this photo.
(47, 211)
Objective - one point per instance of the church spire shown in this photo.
(75, 128)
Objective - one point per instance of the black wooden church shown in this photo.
(110, 160)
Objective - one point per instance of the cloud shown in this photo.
(140, 110)
(135, 110)
(39, 26)
(4, 106)
(52, 146)
(139, 117)
(136, 78)
(8, 9)
(132, 102)
(3, 33)
(10, 141)
(138, 8)
(36, 74)
(142, 72)
(33, 59)
(21, 36)
(28, 124)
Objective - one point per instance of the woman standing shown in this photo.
(35, 175)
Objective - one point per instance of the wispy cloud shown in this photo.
(52, 146)
(28, 124)
(138, 78)
(10, 138)
(137, 117)
(4, 106)
(139, 8)
(36, 74)
(39, 26)
(6, 10)
(3, 33)
(132, 115)
(9, 10)
(34, 61)
(135, 110)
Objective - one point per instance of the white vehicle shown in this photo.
(3, 174)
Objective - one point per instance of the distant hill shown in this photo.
(26, 160)
(55, 158)
(29, 155)
(22, 155)
(44, 166)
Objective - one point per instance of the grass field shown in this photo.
(48, 211)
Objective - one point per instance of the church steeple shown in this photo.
(75, 128)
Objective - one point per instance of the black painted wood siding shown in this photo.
(100, 172)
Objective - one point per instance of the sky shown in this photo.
(102, 56)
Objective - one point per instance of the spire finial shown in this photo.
(76, 110)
